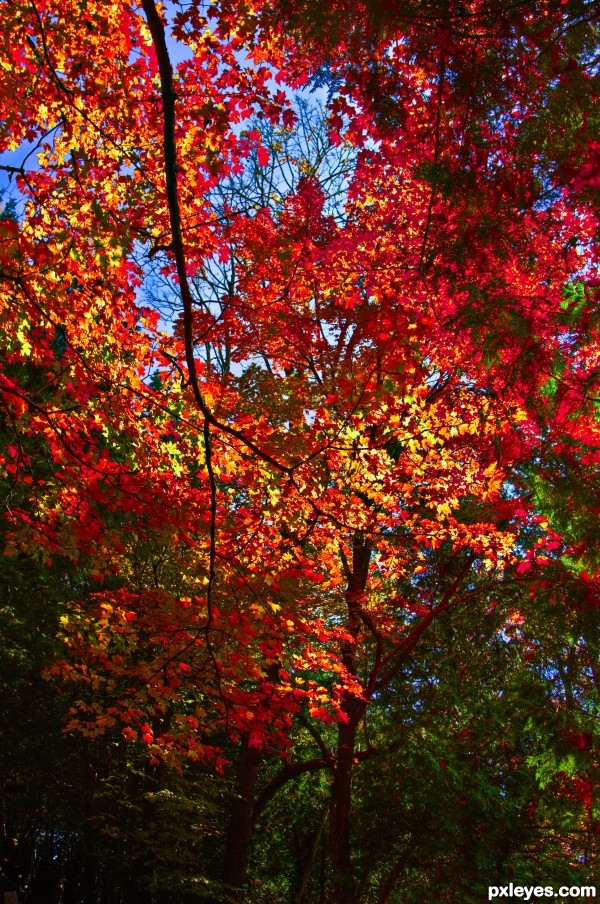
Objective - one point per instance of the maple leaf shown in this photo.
(263, 156)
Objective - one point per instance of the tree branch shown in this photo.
(399, 655)
(292, 770)
(165, 68)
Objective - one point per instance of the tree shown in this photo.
(382, 342)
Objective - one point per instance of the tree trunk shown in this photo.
(239, 834)
(352, 711)
(339, 816)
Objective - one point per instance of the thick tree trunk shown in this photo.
(239, 834)
(339, 816)
(352, 711)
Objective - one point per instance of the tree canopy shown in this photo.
(299, 449)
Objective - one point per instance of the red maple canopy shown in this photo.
(279, 376)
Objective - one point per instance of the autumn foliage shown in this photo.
(299, 392)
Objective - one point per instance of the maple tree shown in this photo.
(299, 394)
